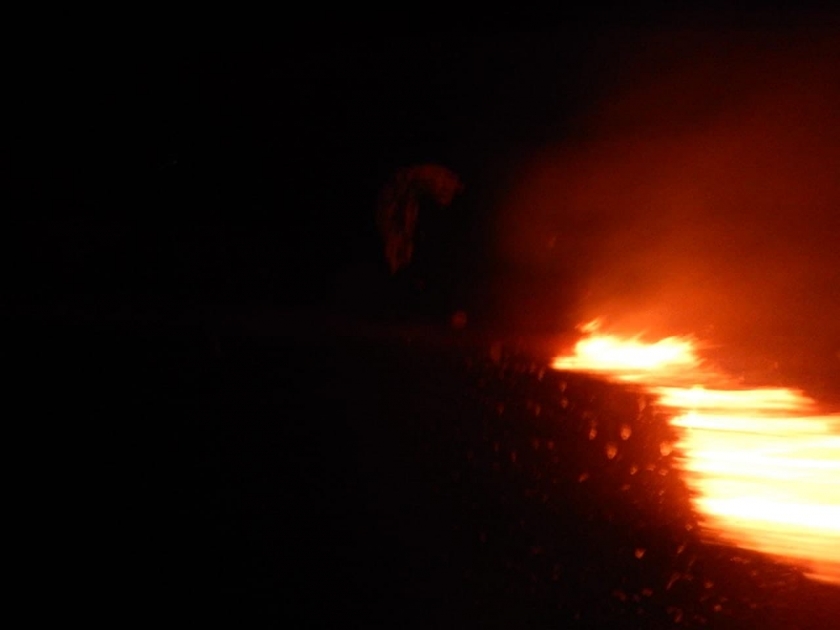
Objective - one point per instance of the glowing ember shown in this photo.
(763, 463)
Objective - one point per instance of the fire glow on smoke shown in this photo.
(764, 463)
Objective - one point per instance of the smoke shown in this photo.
(699, 194)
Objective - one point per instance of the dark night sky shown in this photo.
(134, 163)
(222, 172)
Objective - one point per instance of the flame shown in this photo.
(763, 463)
(628, 359)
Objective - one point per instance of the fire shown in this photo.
(763, 463)
(629, 359)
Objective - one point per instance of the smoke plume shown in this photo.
(700, 193)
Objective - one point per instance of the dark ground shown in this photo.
(321, 472)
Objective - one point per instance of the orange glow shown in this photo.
(763, 463)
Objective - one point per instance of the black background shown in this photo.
(239, 169)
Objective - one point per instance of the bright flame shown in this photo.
(629, 359)
(763, 463)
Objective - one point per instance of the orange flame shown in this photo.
(764, 464)
(629, 359)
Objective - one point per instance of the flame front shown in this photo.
(764, 464)
(630, 359)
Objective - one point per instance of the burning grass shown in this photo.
(569, 493)
(762, 461)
